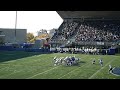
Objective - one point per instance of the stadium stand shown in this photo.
(100, 33)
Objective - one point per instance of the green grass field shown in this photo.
(32, 65)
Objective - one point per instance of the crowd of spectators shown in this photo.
(96, 30)
(68, 30)
(104, 31)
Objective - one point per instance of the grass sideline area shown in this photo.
(33, 65)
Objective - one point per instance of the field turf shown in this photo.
(33, 65)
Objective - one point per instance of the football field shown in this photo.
(33, 65)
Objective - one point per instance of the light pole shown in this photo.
(15, 25)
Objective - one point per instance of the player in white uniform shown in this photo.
(110, 68)
(101, 62)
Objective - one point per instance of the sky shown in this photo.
(33, 21)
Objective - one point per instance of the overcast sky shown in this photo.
(33, 21)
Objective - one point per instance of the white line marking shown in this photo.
(100, 70)
(4, 76)
(17, 60)
(42, 72)
(36, 74)
(15, 65)
(73, 71)
(15, 70)
(4, 68)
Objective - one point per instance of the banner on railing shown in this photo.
(100, 43)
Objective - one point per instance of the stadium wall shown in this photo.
(10, 35)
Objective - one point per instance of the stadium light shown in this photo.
(15, 25)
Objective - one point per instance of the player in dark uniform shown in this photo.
(93, 62)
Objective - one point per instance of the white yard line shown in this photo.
(20, 59)
(42, 72)
(100, 69)
(15, 66)
(72, 70)
(13, 72)
(33, 75)
(3, 68)
(10, 74)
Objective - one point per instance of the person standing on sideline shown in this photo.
(101, 62)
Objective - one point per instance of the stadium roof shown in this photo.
(89, 14)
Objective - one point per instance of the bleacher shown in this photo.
(92, 32)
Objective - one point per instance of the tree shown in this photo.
(30, 38)
(43, 36)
